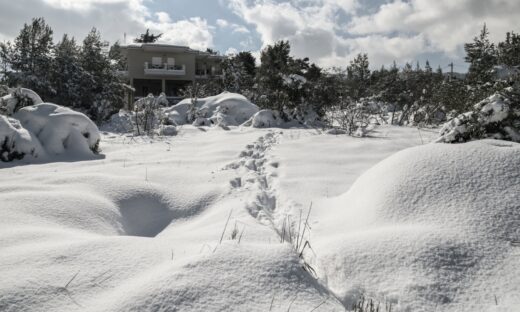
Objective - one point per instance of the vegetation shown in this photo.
(86, 78)
(83, 77)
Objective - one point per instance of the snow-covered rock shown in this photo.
(60, 129)
(229, 109)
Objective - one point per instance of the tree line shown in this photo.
(85, 77)
(80, 76)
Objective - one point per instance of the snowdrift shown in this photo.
(430, 226)
(225, 109)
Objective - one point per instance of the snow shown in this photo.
(17, 141)
(144, 228)
(424, 227)
(265, 118)
(225, 109)
(9, 102)
(492, 118)
(60, 129)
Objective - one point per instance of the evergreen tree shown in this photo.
(147, 37)
(358, 74)
(509, 50)
(248, 61)
(30, 58)
(68, 75)
(235, 76)
(103, 90)
(117, 59)
(481, 56)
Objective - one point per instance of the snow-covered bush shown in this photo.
(122, 121)
(16, 99)
(352, 117)
(15, 141)
(148, 113)
(496, 117)
(225, 109)
(264, 119)
(60, 129)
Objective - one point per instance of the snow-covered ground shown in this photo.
(142, 228)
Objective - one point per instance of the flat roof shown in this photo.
(161, 47)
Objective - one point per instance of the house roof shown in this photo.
(160, 47)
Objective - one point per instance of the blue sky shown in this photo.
(330, 32)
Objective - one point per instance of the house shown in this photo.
(155, 68)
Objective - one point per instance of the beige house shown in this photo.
(155, 68)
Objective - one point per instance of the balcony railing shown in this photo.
(164, 69)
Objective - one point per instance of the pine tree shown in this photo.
(248, 61)
(30, 58)
(103, 90)
(116, 57)
(509, 50)
(358, 75)
(68, 75)
(481, 55)
(147, 37)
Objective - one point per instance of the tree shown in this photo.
(509, 50)
(29, 58)
(248, 61)
(147, 37)
(67, 74)
(481, 56)
(104, 92)
(235, 77)
(116, 57)
(358, 75)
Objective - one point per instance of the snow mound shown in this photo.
(122, 121)
(265, 118)
(15, 141)
(434, 225)
(225, 109)
(60, 129)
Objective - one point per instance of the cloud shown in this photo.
(446, 24)
(77, 17)
(331, 32)
(223, 24)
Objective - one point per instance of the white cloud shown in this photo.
(163, 17)
(222, 23)
(194, 32)
(400, 30)
(446, 24)
(231, 51)
(112, 17)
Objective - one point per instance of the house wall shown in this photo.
(137, 57)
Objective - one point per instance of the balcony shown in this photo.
(164, 69)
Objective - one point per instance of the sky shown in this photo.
(329, 32)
